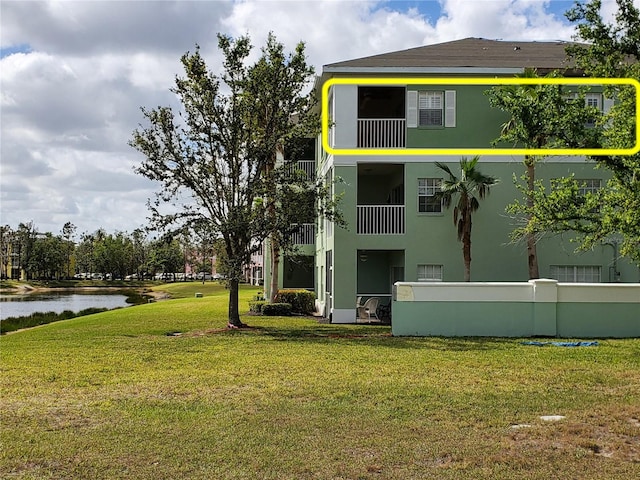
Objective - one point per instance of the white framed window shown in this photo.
(428, 201)
(429, 273)
(430, 108)
(576, 273)
(588, 185)
(593, 100)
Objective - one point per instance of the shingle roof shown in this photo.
(469, 52)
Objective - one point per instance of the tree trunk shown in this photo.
(532, 251)
(234, 311)
(275, 267)
(466, 247)
(271, 212)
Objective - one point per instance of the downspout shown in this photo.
(614, 276)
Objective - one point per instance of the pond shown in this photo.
(15, 305)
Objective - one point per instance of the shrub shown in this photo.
(276, 309)
(302, 301)
(255, 306)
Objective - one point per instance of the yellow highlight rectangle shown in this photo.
(380, 81)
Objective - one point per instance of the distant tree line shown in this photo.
(26, 253)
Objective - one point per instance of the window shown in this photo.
(593, 100)
(576, 273)
(430, 107)
(428, 201)
(429, 273)
(589, 185)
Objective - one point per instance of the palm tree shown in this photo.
(470, 183)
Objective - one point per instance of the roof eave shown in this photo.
(382, 71)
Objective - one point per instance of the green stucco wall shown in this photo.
(477, 124)
(597, 320)
(535, 308)
(451, 319)
(505, 319)
(431, 238)
(473, 115)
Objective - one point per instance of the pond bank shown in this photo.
(26, 288)
(30, 306)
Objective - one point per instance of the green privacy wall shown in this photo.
(568, 311)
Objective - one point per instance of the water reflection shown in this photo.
(14, 305)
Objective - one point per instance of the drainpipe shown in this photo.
(614, 276)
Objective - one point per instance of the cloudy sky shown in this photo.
(75, 74)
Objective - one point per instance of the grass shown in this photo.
(163, 391)
(189, 289)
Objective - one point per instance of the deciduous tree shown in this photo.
(214, 161)
(542, 116)
(604, 50)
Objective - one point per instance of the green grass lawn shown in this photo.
(120, 395)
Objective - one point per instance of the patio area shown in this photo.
(378, 270)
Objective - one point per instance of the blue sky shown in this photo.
(432, 8)
(11, 49)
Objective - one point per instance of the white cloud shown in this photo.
(333, 31)
(84, 28)
(501, 19)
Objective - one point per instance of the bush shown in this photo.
(255, 306)
(276, 309)
(302, 301)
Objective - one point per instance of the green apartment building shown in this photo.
(397, 230)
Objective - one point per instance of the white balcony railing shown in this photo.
(307, 166)
(305, 235)
(380, 220)
(381, 133)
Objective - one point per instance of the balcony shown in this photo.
(306, 166)
(381, 117)
(305, 234)
(381, 133)
(381, 220)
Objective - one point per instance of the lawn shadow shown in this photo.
(373, 335)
